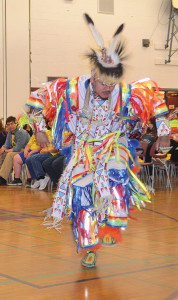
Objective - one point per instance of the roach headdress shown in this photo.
(107, 63)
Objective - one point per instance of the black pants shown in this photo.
(54, 166)
(148, 158)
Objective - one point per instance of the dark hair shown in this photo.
(153, 131)
(153, 122)
(10, 119)
(1, 126)
(30, 131)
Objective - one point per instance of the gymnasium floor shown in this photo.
(36, 263)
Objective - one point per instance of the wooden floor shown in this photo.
(36, 263)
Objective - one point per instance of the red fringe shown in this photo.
(136, 169)
(113, 231)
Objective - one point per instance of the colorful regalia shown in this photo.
(99, 187)
(99, 184)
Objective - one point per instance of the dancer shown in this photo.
(99, 183)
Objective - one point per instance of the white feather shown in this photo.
(115, 39)
(113, 45)
(96, 35)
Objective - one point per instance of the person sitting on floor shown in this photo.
(15, 142)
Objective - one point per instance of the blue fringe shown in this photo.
(121, 176)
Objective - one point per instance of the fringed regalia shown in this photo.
(99, 186)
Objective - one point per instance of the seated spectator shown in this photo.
(34, 163)
(174, 151)
(151, 133)
(3, 134)
(28, 129)
(31, 148)
(54, 166)
(15, 142)
(150, 137)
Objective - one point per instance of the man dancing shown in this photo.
(99, 183)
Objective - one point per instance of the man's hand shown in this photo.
(2, 150)
(8, 150)
(42, 139)
(26, 154)
(43, 151)
(162, 141)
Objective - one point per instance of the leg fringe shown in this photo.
(113, 231)
(53, 222)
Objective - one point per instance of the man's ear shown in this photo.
(92, 80)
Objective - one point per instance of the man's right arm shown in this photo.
(7, 144)
(2, 150)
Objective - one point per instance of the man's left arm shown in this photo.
(21, 139)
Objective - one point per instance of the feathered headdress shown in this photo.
(107, 63)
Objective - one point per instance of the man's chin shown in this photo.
(105, 97)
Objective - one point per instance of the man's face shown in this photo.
(103, 90)
(11, 126)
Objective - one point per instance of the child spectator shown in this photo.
(34, 163)
(20, 159)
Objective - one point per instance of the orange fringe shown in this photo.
(113, 231)
(136, 169)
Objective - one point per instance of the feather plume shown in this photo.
(112, 46)
(115, 71)
(95, 33)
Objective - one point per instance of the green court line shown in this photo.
(135, 261)
(38, 237)
(102, 250)
(130, 248)
(41, 254)
(71, 244)
(34, 227)
(6, 282)
(28, 246)
(142, 238)
(153, 283)
(28, 250)
(162, 199)
(57, 274)
(84, 270)
(146, 231)
(88, 270)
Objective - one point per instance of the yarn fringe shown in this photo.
(52, 222)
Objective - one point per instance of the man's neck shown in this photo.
(97, 95)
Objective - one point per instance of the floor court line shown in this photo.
(172, 296)
(83, 280)
(157, 212)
